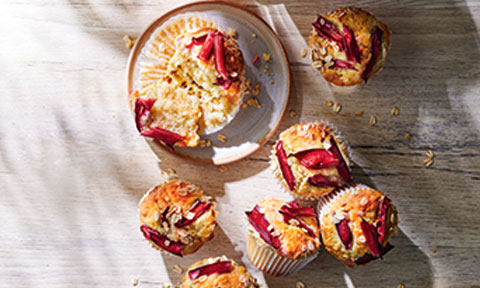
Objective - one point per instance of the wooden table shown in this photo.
(72, 167)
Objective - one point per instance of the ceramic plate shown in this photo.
(252, 126)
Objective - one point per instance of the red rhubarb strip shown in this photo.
(345, 233)
(376, 37)
(293, 209)
(340, 64)
(382, 219)
(207, 48)
(350, 45)
(287, 217)
(284, 167)
(368, 257)
(317, 159)
(261, 225)
(326, 30)
(142, 111)
(162, 241)
(209, 269)
(219, 56)
(320, 181)
(167, 137)
(342, 167)
(371, 238)
(198, 209)
(255, 60)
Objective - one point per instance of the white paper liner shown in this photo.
(266, 259)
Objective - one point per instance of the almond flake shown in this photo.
(337, 107)
(430, 154)
(300, 284)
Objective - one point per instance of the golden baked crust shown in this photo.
(238, 277)
(199, 103)
(295, 241)
(354, 204)
(324, 51)
(303, 137)
(179, 196)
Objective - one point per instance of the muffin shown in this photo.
(348, 46)
(311, 160)
(357, 224)
(191, 82)
(177, 217)
(218, 272)
(282, 237)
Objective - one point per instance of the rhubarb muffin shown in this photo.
(348, 46)
(357, 224)
(191, 82)
(282, 237)
(177, 217)
(218, 272)
(311, 160)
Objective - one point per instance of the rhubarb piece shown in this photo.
(200, 40)
(382, 219)
(326, 30)
(344, 233)
(207, 48)
(376, 36)
(162, 241)
(261, 225)
(371, 237)
(209, 269)
(255, 60)
(340, 64)
(225, 83)
(317, 159)
(167, 137)
(164, 215)
(219, 56)
(342, 167)
(293, 209)
(350, 45)
(142, 111)
(287, 217)
(198, 209)
(284, 167)
(320, 181)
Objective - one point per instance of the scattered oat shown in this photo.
(171, 171)
(434, 250)
(395, 111)
(408, 136)
(222, 138)
(223, 168)
(267, 57)
(337, 107)
(300, 284)
(329, 103)
(205, 143)
(271, 81)
(254, 35)
(129, 41)
(256, 90)
(177, 268)
(232, 32)
(253, 101)
(255, 59)
(401, 285)
(373, 120)
(292, 113)
(428, 162)
(304, 52)
(359, 113)
(430, 154)
(244, 105)
(134, 281)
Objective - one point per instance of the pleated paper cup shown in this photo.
(266, 259)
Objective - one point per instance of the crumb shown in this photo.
(292, 113)
(329, 103)
(134, 281)
(271, 81)
(408, 136)
(223, 168)
(304, 52)
(359, 113)
(222, 138)
(254, 35)
(244, 105)
(373, 120)
(267, 57)
(232, 32)
(129, 42)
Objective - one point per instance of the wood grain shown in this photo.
(73, 168)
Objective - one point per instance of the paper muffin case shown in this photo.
(266, 259)
(160, 48)
(305, 201)
(324, 202)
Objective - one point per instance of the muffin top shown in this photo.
(311, 160)
(348, 45)
(177, 217)
(200, 88)
(218, 272)
(291, 230)
(357, 224)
